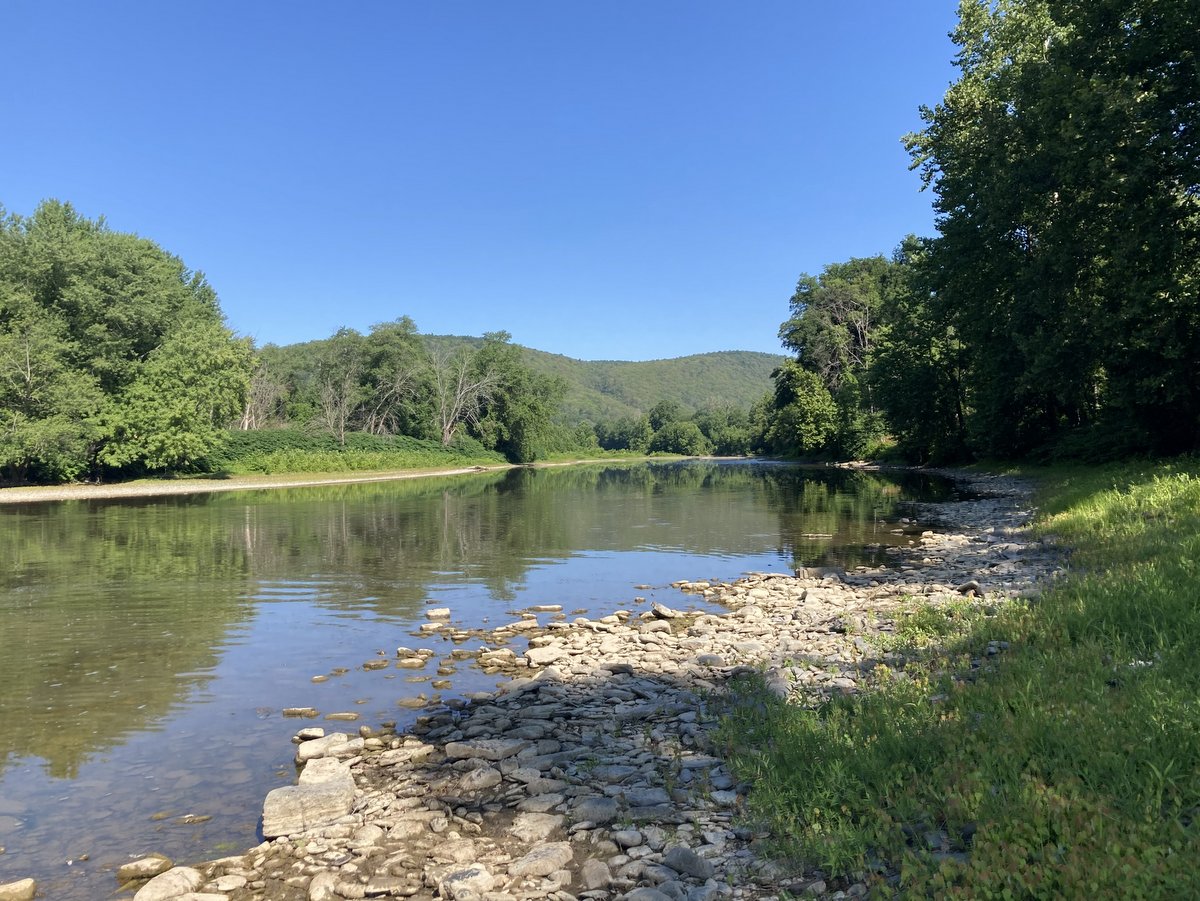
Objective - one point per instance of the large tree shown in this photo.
(107, 351)
(1067, 178)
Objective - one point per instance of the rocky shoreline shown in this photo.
(593, 773)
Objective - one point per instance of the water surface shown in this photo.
(150, 644)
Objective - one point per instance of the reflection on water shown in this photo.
(151, 643)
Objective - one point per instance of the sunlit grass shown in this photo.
(1066, 766)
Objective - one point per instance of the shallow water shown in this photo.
(150, 645)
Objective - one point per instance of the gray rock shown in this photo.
(485, 749)
(627, 838)
(535, 827)
(664, 611)
(478, 780)
(645, 893)
(171, 884)
(689, 863)
(647, 797)
(543, 861)
(295, 808)
(467, 883)
(595, 810)
(595, 875)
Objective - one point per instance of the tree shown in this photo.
(177, 409)
(393, 374)
(665, 412)
(920, 361)
(460, 389)
(1067, 182)
(339, 381)
(804, 416)
(517, 414)
(681, 437)
(89, 318)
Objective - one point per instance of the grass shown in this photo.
(280, 451)
(1066, 766)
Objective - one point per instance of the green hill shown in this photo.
(606, 390)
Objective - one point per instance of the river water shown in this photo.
(149, 646)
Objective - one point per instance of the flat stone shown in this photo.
(541, 803)
(595, 810)
(21, 890)
(485, 749)
(229, 883)
(324, 769)
(689, 863)
(645, 893)
(467, 883)
(296, 808)
(171, 884)
(543, 656)
(543, 861)
(477, 780)
(595, 875)
(647, 797)
(323, 887)
(535, 827)
(336, 744)
(144, 868)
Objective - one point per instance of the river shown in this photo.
(152, 644)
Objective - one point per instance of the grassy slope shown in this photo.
(1072, 769)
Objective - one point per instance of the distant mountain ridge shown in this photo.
(606, 390)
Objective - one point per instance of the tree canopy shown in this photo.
(113, 354)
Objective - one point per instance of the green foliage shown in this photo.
(804, 417)
(112, 353)
(1068, 765)
(275, 451)
(680, 438)
(516, 420)
(1066, 172)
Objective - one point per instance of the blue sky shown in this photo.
(617, 180)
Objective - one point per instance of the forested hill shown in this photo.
(606, 390)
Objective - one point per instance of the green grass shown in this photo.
(278, 451)
(1067, 766)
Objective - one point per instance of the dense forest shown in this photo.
(1054, 315)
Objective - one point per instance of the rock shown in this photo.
(689, 863)
(438, 613)
(661, 610)
(144, 868)
(595, 810)
(595, 874)
(336, 744)
(645, 893)
(535, 827)
(171, 884)
(229, 883)
(468, 883)
(627, 838)
(477, 780)
(543, 861)
(543, 656)
(324, 769)
(323, 887)
(21, 890)
(295, 808)
(485, 749)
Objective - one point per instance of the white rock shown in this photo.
(295, 808)
(543, 861)
(171, 884)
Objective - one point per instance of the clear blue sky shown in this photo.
(629, 179)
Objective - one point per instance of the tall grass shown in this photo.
(291, 451)
(1068, 766)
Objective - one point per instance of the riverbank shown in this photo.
(166, 487)
(599, 771)
(224, 482)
